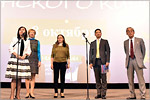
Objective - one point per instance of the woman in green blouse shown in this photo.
(60, 60)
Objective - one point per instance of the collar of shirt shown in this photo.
(98, 39)
(60, 44)
(132, 39)
(31, 38)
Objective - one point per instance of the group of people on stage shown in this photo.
(100, 55)
(25, 52)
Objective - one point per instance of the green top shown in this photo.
(60, 53)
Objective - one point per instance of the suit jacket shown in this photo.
(139, 51)
(104, 50)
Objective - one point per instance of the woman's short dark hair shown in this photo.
(64, 42)
(97, 30)
(25, 33)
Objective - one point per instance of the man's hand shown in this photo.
(91, 66)
(107, 64)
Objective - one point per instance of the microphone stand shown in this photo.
(17, 68)
(87, 42)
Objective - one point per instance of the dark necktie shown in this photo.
(22, 48)
(131, 50)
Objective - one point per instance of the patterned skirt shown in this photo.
(24, 71)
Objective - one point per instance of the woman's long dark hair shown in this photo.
(64, 43)
(25, 34)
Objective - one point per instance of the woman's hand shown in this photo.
(39, 64)
(52, 67)
(17, 56)
(23, 57)
(68, 66)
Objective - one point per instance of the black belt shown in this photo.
(98, 58)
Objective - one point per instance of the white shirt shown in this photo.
(27, 49)
(99, 40)
(130, 44)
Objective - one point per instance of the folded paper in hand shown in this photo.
(104, 69)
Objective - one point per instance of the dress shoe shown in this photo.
(103, 97)
(98, 96)
(16, 98)
(142, 98)
(56, 96)
(31, 96)
(62, 96)
(27, 96)
(131, 98)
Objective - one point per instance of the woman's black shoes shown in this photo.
(62, 96)
(27, 96)
(16, 98)
(55, 96)
(31, 96)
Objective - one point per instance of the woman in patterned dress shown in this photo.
(21, 53)
(35, 62)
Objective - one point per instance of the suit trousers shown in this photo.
(101, 79)
(133, 66)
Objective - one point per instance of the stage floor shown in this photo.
(74, 93)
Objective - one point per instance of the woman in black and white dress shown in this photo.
(22, 52)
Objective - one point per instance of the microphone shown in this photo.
(85, 37)
(16, 43)
(23, 34)
(83, 34)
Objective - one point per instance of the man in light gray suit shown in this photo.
(99, 55)
(135, 52)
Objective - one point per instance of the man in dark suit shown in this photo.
(135, 52)
(99, 55)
